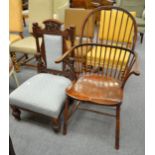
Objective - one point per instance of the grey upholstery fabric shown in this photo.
(43, 93)
(53, 48)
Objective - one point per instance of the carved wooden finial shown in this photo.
(52, 25)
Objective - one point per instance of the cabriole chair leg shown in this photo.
(56, 124)
(117, 131)
(65, 116)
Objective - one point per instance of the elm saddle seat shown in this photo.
(44, 93)
(96, 88)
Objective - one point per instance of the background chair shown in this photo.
(139, 7)
(44, 93)
(71, 19)
(109, 61)
(59, 9)
(15, 25)
(27, 45)
(15, 20)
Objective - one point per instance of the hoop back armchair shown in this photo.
(105, 65)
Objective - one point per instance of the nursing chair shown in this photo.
(110, 59)
(44, 93)
(27, 45)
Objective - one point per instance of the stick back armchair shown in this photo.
(103, 66)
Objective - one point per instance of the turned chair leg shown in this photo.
(16, 113)
(14, 60)
(117, 131)
(56, 124)
(65, 116)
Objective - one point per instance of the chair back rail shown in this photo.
(15, 16)
(53, 44)
(116, 26)
(111, 52)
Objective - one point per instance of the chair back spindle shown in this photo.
(111, 52)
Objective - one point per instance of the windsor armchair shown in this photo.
(103, 69)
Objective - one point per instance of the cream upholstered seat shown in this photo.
(26, 45)
(39, 10)
(43, 93)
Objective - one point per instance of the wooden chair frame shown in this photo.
(132, 67)
(51, 27)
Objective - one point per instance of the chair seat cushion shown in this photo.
(140, 21)
(101, 56)
(26, 45)
(14, 37)
(96, 88)
(43, 93)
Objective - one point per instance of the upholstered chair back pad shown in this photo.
(15, 16)
(53, 49)
(75, 17)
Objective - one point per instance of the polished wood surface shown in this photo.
(97, 89)
(103, 65)
(89, 4)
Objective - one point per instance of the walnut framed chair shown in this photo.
(44, 93)
(27, 45)
(110, 59)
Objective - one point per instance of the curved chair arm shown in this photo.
(65, 55)
(134, 70)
